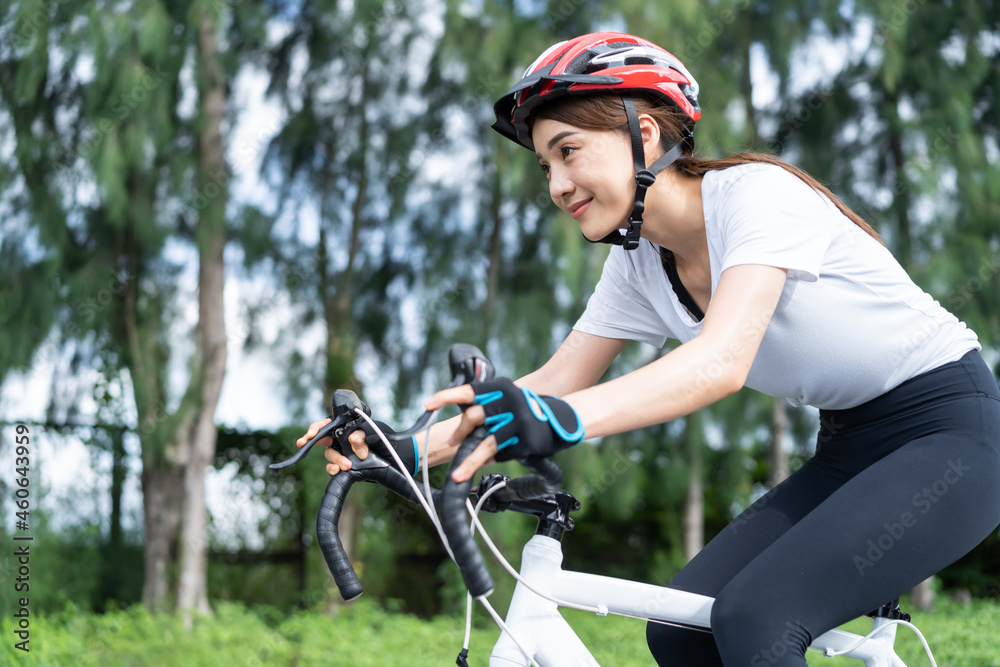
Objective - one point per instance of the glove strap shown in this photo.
(497, 422)
(543, 413)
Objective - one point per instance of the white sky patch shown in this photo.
(763, 78)
(259, 120)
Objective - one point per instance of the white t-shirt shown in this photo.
(850, 324)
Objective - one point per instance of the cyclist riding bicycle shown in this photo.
(770, 282)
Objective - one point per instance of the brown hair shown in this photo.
(606, 112)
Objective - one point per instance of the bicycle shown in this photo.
(534, 632)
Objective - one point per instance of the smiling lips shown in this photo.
(579, 208)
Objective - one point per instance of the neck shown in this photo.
(676, 217)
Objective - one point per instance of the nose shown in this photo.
(560, 185)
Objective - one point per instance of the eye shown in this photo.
(545, 169)
(566, 151)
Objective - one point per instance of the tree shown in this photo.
(353, 119)
(196, 427)
(103, 139)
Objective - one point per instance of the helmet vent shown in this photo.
(589, 64)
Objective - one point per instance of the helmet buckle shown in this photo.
(644, 178)
(631, 240)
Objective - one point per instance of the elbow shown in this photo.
(728, 365)
(734, 379)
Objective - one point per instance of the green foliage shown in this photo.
(363, 634)
(434, 230)
(64, 567)
(27, 304)
(357, 635)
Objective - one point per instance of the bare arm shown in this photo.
(577, 364)
(698, 373)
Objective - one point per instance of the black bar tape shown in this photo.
(527, 487)
(329, 538)
(456, 527)
(327, 521)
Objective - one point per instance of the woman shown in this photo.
(768, 281)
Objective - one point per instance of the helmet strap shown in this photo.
(644, 178)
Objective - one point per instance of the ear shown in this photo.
(650, 131)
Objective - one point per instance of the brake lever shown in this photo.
(467, 364)
(343, 421)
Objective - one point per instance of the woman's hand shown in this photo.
(337, 461)
(471, 417)
(521, 423)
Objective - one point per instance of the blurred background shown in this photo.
(213, 213)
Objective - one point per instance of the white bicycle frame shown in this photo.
(542, 631)
(533, 617)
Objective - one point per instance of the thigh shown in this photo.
(958, 403)
(892, 525)
(757, 527)
(728, 552)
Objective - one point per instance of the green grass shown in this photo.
(363, 634)
(959, 635)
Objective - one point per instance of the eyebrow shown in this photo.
(556, 139)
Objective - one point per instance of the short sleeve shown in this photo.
(617, 309)
(769, 216)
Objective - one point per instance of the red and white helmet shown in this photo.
(599, 62)
(606, 62)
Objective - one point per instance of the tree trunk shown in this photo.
(900, 188)
(694, 501)
(192, 592)
(162, 477)
(337, 306)
(162, 492)
(746, 86)
(922, 595)
(112, 550)
(209, 365)
(192, 585)
(495, 257)
(694, 509)
(778, 457)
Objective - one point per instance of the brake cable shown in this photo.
(426, 501)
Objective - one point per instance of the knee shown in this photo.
(749, 631)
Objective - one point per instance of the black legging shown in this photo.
(899, 488)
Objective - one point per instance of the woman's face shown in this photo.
(590, 174)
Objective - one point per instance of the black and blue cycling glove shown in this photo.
(409, 452)
(524, 423)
